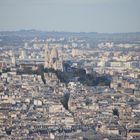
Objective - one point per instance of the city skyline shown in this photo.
(109, 16)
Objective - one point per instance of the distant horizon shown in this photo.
(57, 31)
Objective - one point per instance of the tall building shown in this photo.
(13, 60)
(23, 54)
(47, 56)
(52, 58)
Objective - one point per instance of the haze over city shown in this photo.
(69, 70)
(71, 15)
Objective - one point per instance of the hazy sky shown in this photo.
(71, 15)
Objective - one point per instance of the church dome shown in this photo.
(54, 53)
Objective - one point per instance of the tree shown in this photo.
(65, 100)
(116, 112)
(88, 102)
